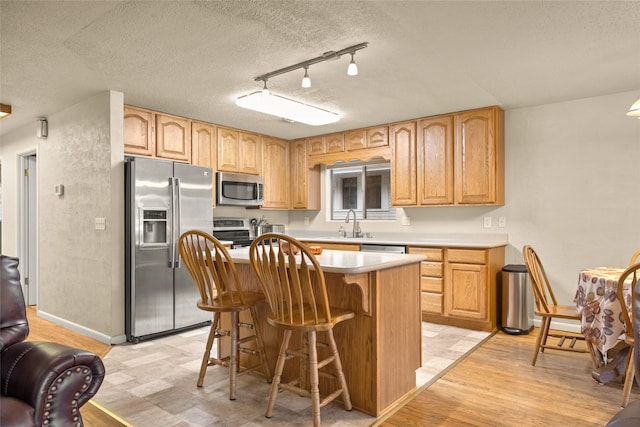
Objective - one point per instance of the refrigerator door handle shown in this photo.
(176, 228)
(172, 238)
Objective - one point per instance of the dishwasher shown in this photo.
(394, 249)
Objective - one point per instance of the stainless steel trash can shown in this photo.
(517, 300)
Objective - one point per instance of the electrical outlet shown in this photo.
(502, 222)
(487, 222)
(101, 224)
(306, 220)
(406, 220)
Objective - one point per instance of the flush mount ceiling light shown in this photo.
(5, 110)
(634, 111)
(268, 103)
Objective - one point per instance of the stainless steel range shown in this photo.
(237, 230)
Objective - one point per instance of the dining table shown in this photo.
(597, 301)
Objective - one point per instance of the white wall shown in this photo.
(81, 279)
(572, 190)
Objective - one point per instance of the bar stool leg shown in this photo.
(276, 377)
(207, 350)
(629, 376)
(260, 343)
(233, 358)
(346, 398)
(313, 374)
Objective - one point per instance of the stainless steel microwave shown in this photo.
(238, 189)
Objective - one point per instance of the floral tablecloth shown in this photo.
(597, 300)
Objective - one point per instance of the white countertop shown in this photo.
(347, 262)
(449, 240)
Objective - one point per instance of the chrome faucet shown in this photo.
(356, 228)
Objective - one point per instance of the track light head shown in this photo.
(352, 69)
(306, 81)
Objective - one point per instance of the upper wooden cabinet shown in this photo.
(239, 151)
(326, 144)
(334, 143)
(460, 160)
(479, 157)
(402, 138)
(360, 139)
(315, 145)
(305, 182)
(147, 133)
(203, 148)
(435, 161)
(139, 131)
(173, 137)
(356, 139)
(276, 173)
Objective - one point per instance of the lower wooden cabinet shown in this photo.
(459, 286)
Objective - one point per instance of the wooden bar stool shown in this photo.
(215, 276)
(294, 285)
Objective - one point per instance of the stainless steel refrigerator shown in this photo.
(162, 200)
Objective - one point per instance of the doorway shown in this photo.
(28, 227)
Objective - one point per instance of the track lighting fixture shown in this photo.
(268, 103)
(306, 81)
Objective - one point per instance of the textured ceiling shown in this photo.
(193, 58)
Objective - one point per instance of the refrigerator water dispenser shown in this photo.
(154, 227)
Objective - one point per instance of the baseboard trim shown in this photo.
(98, 336)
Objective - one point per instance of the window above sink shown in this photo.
(364, 187)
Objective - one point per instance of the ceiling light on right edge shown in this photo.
(290, 110)
(634, 111)
(352, 69)
(5, 110)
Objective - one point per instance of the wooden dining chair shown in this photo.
(548, 309)
(635, 257)
(627, 316)
(294, 284)
(216, 278)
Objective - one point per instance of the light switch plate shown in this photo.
(487, 222)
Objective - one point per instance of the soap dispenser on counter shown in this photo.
(342, 232)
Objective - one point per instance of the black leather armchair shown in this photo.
(630, 415)
(42, 383)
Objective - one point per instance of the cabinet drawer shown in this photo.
(432, 269)
(431, 284)
(431, 303)
(467, 256)
(432, 254)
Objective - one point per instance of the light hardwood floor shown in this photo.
(495, 385)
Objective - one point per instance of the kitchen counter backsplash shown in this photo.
(479, 240)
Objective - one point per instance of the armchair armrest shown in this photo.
(56, 380)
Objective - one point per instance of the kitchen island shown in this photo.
(381, 347)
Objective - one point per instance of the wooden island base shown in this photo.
(380, 348)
